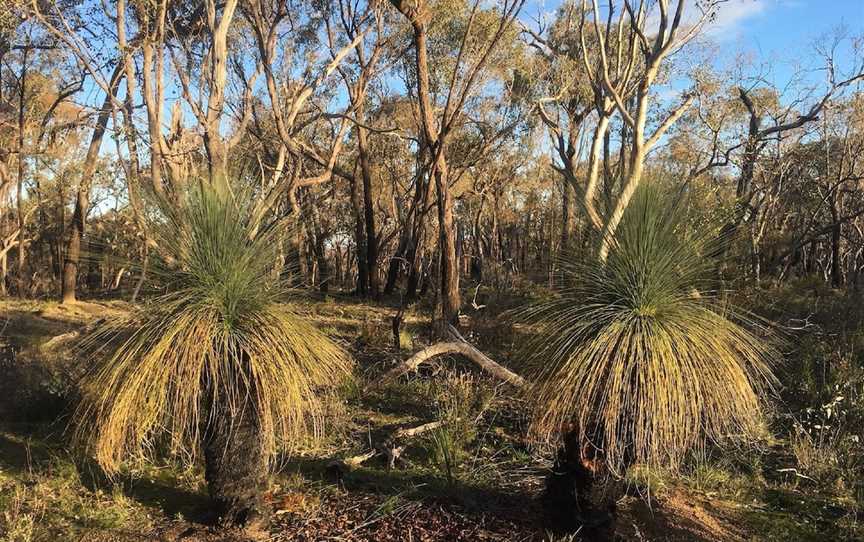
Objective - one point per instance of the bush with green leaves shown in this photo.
(461, 401)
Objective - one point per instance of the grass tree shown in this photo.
(638, 361)
(217, 363)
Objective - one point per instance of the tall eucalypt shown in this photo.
(637, 360)
(217, 363)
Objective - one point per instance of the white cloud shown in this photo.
(727, 22)
(731, 15)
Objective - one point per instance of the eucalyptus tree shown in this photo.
(570, 93)
(306, 125)
(784, 121)
(37, 83)
(811, 214)
(479, 36)
(598, 63)
(371, 57)
(745, 123)
(291, 97)
(631, 66)
(177, 32)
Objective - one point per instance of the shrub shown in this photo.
(218, 363)
(640, 354)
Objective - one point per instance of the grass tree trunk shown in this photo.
(236, 467)
(578, 497)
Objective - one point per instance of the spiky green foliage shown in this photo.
(639, 354)
(221, 335)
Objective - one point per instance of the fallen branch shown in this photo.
(458, 346)
(419, 430)
(53, 342)
(358, 459)
(390, 448)
(796, 473)
(69, 336)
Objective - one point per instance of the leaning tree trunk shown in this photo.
(236, 466)
(82, 200)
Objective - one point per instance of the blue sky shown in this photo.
(783, 26)
(783, 31)
(775, 32)
(764, 23)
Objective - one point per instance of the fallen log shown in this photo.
(70, 336)
(458, 346)
(390, 448)
(358, 459)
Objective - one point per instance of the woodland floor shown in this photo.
(492, 493)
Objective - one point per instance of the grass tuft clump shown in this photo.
(639, 354)
(219, 335)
